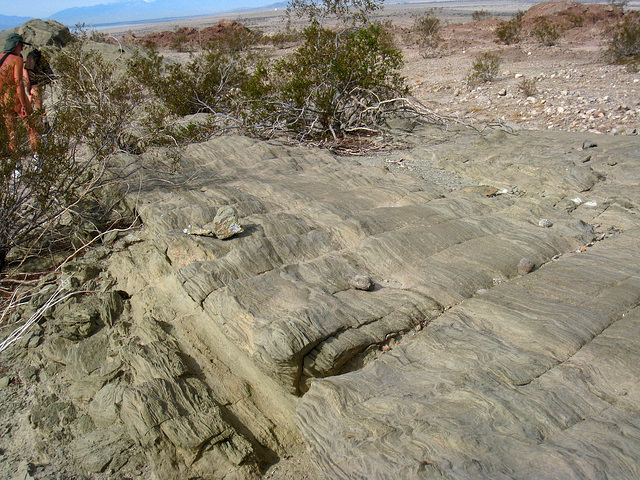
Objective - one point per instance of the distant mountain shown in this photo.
(141, 10)
(7, 22)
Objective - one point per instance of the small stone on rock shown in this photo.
(361, 282)
(545, 223)
(525, 266)
(225, 223)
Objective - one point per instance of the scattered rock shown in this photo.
(361, 282)
(525, 266)
(588, 144)
(545, 223)
(485, 190)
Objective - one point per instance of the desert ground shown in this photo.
(576, 90)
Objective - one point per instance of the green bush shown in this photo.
(623, 42)
(330, 82)
(484, 69)
(575, 19)
(335, 83)
(519, 15)
(479, 15)
(508, 32)
(210, 82)
(283, 37)
(426, 29)
(546, 34)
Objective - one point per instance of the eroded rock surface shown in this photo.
(532, 379)
(195, 353)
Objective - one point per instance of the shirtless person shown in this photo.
(14, 102)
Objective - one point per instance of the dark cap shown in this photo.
(12, 41)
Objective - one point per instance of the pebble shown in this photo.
(545, 223)
(525, 266)
(361, 282)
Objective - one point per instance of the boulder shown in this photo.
(45, 33)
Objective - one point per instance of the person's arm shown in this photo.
(27, 81)
(20, 91)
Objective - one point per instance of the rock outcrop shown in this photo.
(418, 329)
(42, 33)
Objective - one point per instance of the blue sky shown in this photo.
(43, 8)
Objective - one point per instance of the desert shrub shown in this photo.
(576, 20)
(546, 34)
(283, 37)
(55, 199)
(180, 41)
(518, 16)
(347, 11)
(478, 15)
(528, 87)
(623, 43)
(330, 82)
(484, 69)
(508, 32)
(426, 30)
(210, 82)
(335, 82)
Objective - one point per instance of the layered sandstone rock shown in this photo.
(453, 360)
